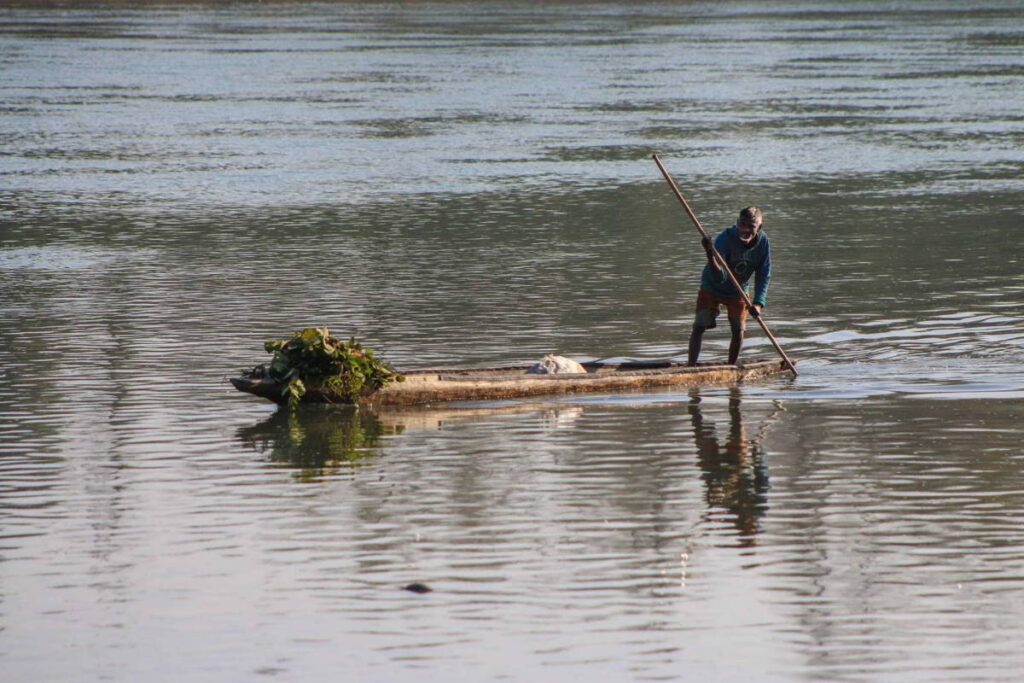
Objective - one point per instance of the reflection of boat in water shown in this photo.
(317, 439)
(484, 384)
(400, 418)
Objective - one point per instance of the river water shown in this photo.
(471, 184)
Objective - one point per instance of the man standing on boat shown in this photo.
(745, 249)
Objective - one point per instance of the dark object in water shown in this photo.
(485, 384)
(418, 588)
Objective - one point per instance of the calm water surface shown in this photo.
(470, 183)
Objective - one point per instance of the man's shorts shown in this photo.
(708, 307)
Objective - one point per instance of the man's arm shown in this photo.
(721, 246)
(706, 243)
(762, 276)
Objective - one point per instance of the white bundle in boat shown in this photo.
(556, 365)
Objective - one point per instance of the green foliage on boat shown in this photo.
(313, 358)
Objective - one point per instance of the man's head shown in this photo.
(749, 223)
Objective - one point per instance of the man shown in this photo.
(745, 249)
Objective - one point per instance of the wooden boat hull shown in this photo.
(440, 385)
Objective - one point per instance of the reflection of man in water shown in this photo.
(734, 473)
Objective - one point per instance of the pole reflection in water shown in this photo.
(317, 438)
(734, 469)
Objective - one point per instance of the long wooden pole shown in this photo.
(720, 262)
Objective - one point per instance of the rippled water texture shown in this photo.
(470, 184)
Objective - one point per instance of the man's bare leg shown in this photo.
(736, 345)
(696, 336)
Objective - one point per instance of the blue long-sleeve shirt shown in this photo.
(744, 261)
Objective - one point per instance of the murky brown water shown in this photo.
(471, 184)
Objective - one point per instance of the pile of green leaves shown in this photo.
(312, 358)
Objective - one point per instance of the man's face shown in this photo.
(748, 229)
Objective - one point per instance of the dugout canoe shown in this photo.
(486, 384)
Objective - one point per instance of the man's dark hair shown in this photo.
(751, 214)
